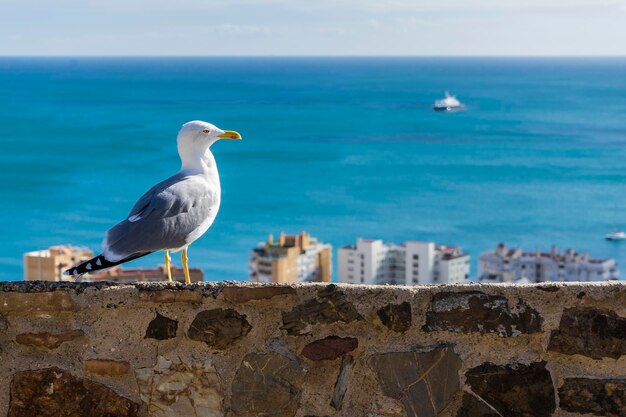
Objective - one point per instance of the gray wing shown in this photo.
(161, 219)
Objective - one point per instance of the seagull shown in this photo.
(174, 213)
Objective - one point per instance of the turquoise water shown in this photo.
(338, 147)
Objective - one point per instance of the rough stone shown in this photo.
(341, 384)
(236, 294)
(268, 384)
(548, 287)
(329, 348)
(161, 328)
(474, 407)
(53, 392)
(170, 296)
(514, 390)
(4, 323)
(47, 340)
(475, 311)
(33, 302)
(106, 367)
(174, 388)
(330, 306)
(219, 328)
(424, 382)
(602, 397)
(590, 332)
(396, 317)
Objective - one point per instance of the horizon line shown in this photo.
(322, 56)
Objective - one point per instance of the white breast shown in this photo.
(215, 189)
(204, 226)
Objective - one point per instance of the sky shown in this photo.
(312, 27)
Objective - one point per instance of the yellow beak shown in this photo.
(230, 134)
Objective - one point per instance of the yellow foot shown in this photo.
(168, 265)
(186, 266)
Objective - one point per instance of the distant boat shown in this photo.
(616, 235)
(449, 103)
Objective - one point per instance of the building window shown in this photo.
(416, 257)
(416, 265)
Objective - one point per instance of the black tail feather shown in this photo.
(98, 263)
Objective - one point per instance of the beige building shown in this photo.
(49, 264)
(118, 274)
(293, 258)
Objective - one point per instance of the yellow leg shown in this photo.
(186, 266)
(168, 265)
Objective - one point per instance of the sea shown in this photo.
(339, 147)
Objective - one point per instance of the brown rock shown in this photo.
(47, 340)
(514, 390)
(424, 382)
(267, 385)
(329, 307)
(32, 302)
(161, 328)
(396, 317)
(590, 332)
(475, 311)
(329, 348)
(340, 385)
(219, 328)
(106, 367)
(170, 296)
(237, 294)
(53, 392)
(474, 407)
(601, 397)
(174, 387)
(4, 323)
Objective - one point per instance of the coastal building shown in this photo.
(505, 264)
(409, 263)
(49, 264)
(158, 274)
(290, 259)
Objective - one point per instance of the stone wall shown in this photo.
(240, 350)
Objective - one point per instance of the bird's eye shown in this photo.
(207, 130)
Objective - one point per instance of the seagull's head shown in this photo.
(194, 140)
(199, 134)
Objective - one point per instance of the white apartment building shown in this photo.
(514, 265)
(408, 263)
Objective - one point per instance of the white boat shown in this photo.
(616, 235)
(448, 103)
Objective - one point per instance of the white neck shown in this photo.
(195, 163)
(191, 157)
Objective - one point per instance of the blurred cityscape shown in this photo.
(301, 257)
